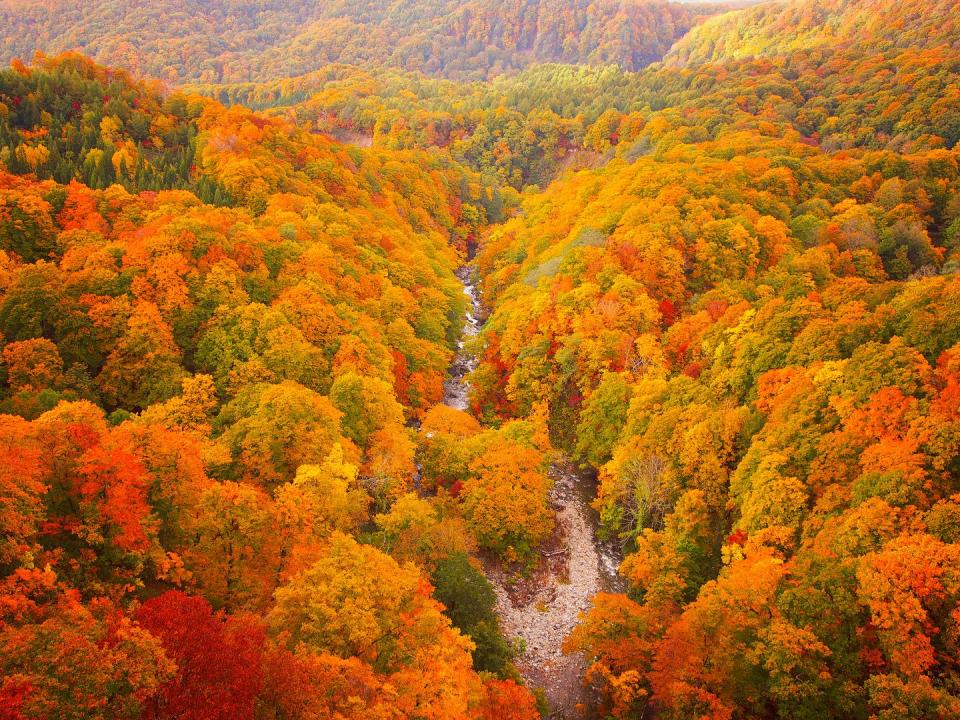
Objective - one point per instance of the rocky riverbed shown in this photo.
(542, 606)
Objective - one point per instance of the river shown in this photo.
(541, 609)
(456, 390)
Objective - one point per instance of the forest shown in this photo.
(238, 41)
(693, 270)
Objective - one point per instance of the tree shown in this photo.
(340, 606)
(423, 531)
(22, 487)
(253, 334)
(321, 499)
(33, 305)
(603, 416)
(636, 491)
(505, 700)
(305, 685)
(235, 552)
(910, 588)
(470, 602)
(97, 504)
(191, 411)
(701, 665)
(669, 566)
(444, 456)
(80, 662)
(26, 227)
(218, 659)
(367, 404)
(271, 430)
(389, 466)
(144, 367)
(798, 666)
(505, 499)
(33, 365)
(617, 636)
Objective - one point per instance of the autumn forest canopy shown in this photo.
(704, 257)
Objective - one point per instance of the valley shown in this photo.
(507, 360)
(539, 607)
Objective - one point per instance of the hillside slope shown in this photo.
(779, 28)
(219, 40)
(746, 321)
(201, 405)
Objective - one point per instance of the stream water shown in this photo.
(457, 388)
(542, 609)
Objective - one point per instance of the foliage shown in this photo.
(470, 601)
(214, 329)
(728, 283)
(229, 42)
(505, 499)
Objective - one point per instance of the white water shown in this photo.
(457, 388)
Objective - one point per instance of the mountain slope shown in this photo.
(219, 40)
(780, 28)
(198, 402)
(747, 322)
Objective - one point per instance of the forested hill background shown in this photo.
(781, 28)
(226, 41)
